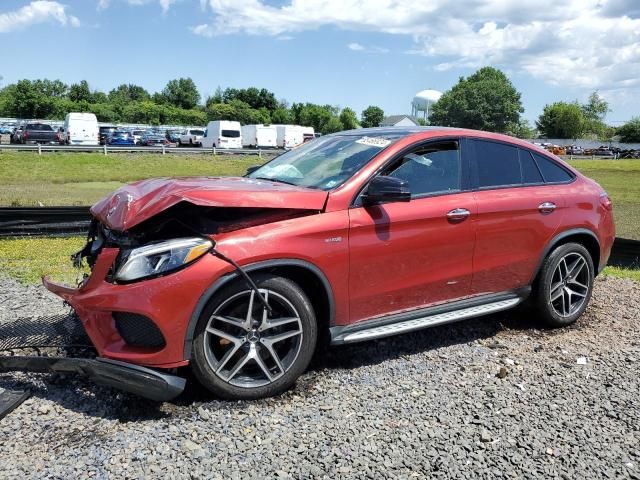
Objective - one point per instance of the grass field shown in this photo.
(28, 259)
(621, 179)
(27, 179)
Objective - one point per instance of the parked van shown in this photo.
(289, 136)
(259, 136)
(308, 134)
(222, 134)
(81, 129)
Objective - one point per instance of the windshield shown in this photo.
(325, 163)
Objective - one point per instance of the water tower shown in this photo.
(422, 103)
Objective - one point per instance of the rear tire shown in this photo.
(564, 285)
(244, 357)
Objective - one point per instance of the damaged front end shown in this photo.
(152, 253)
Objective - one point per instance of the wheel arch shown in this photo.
(583, 236)
(310, 278)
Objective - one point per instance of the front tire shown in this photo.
(564, 285)
(242, 353)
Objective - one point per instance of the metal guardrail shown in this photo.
(66, 221)
(21, 221)
(161, 149)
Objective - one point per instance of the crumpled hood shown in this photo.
(134, 203)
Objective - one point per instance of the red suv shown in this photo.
(350, 237)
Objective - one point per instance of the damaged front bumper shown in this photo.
(141, 381)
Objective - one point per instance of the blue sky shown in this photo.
(342, 52)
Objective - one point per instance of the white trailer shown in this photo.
(308, 133)
(259, 136)
(289, 136)
(222, 134)
(81, 129)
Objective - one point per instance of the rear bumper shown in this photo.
(140, 381)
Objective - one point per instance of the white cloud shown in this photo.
(583, 43)
(164, 4)
(36, 12)
(367, 49)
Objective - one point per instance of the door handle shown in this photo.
(547, 207)
(458, 214)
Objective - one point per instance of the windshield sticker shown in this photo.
(374, 142)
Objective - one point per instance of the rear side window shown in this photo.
(498, 164)
(230, 133)
(530, 172)
(551, 171)
(40, 126)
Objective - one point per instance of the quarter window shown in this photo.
(530, 172)
(498, 164)
(552, 172)
(430, 169)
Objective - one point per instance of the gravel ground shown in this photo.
(492, 397)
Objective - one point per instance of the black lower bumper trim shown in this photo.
(141, 381)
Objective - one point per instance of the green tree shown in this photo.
(522, 129)
(281, 116)
(181, 93)
(221, 111)
(630, 131)
(80, 91)
(372, 116)
(126, 93)
(562, 120)
(332, 125)
(348, 119)
(487, 100)
(25, 100)
(255, 98)
(594, 111)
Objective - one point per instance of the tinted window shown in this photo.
(551, 171)
(434, 168)
(498, 164)
(530, 172)
(230, 133)
(196, 132)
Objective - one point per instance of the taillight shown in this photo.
(606, 201)
(25, 135)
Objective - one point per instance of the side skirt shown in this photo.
(426, 317)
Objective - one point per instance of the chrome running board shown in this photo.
(359, 333)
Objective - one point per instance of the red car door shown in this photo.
(518, 213)
(405, 256)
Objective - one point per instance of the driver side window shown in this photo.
(430, 169)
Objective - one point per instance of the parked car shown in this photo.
(81, 129)
(121, 137)
(222, 134)
(137, 135)
(355, 236)
(575, 150)
(105, 132)
(153, 138)
(174, 135)
(191, 137)
(37, 132)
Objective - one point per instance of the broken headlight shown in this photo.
(159, 258)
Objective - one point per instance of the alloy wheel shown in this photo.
(570, 284)
(246, 346)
